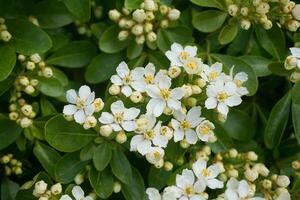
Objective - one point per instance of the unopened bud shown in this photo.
(267, 184)
(30, 65)
(114, 90)
(123, 35)
(98, 104)
(139, 15)
(233, 9)
(79, 178)
(251, 175)
(244, 11)
(168, 166)
(5, 36)
(47, 72)
(36, 58)
(25, 122)
(105, 130)
(290, 62)
(293, 25)
(114, 15)
(151, 37)
(136, 97)
(174, 14)
(245, 24)
(174, 71)
(56, 189)
(137, 29)
(117, 187)
(296, 12)
(164, 23)
(283, 181)
(121, 137)
(140, 39)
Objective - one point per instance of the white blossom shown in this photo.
(205, 130)
(236, 190)
(81, 105)
(178, 55)
(184, 125)
(77, 193)
(121, 117)
(211, 73)
(155, 156)
(296, 53)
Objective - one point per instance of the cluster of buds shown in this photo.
(266, 12)
(292, 63)
(4, 34)
(11, 165)
(42, 193)
(21, 112)
(144, 22)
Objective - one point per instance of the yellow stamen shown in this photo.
(80, 104)
(149, 79)
(165, 94)
(183, 55)
(222, 96)
(185, 125)
(205, 172)
(119, 117)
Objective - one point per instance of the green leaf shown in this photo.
(109, 42)
(87, 152)
(102, 182)
(134, 50)
(132, 4)
(9, 189)
(9, 131)
(240, 66)
(68, 167)
(27, 38)
(7, 61)
(228, 33)
(159, 60)
(273, 41)
(158, 178)
(102, 67)
(277, 122)
(278, 69)
(296, 110)
(67, 136)
(47, 156)
(238, 125)
(209, 20)
(6, 84)
(120, 166)
(81, 9)
(102, 156)
(210, 3)
(50, 86)
(166, 37)
(258, 63)
(51, 14)
(135, 189)
(47, 107)
(73, 55)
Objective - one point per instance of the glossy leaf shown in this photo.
(209, 20)
(102, 156)
(7, 61)
(102, 182)
(81, 9)
(120, 166)
(9, 131)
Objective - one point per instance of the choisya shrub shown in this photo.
(149, 100)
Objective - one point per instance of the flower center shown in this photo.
(127, 79)
(205, 129)
(80, 103)
(183, 55)
(205, 172)
(213, 75)
(189, 190)
(191, 65)
(156, 155)
(164, 130)
(238, 83)
(119, 117)
(149, 79)
(185, 125)
(222, 96)
(165, 94)
(149, 135)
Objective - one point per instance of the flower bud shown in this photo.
(244, 11)
(21, 57)
(78, 179)
(163, 9)
(43, 198)
(25, 122)
(123, 35)
(30, 65)
(34, 82)
(129, 24)
(245, 24)
(23, 80)
(233, 153)
(40, 187)
(174, 14)
(251, 174)
(139, 15)
(122, 23)
(263, 8)
(5, 159)
(267, 184)
(117, 187)
(148, 27)
(56, 189)
(191, 101)
(125, 11)
(137, 29)
(105, 130)
(251, 155)
(233, 9)
(184, 144)
(121, 137)
(140, 39)
(13, 116)
(168, 166)
(136, 97)
(261, 169)
(151, 37)
(296, 165)
(187, 89)
(174, 71)
(149, 16)
(98, 104)
(47, 72)
(5, 36)
(18, 170)
(233, 173)
(288, 7)
(90, 122)
(114, 15)
(2, 20)
(267, 25)
(283, 181)
(293, 25)
(295, 77)
(26, 109)
(296, 12)
(114, 90)
(290, 62)
(256, 2)
(150, 5)
(164, 23)
(35, 58)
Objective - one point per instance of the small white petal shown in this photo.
(71, 96)
(215, 183)
(153, 91)
(129, 125)
(222, 108)
(177, 93)
(84, 92)
(164, 82)
(144, 147)
(153, 194)
(131, 113)
(192, 50)
(115, 79)
(65, 197)
(122, 69)
(211, 103)
(116, 127)
(126, 90)
(191, 136)
(295, 51)
(117, 107)
(77, 192)
(198, 166)
(79, 116)
(176, 47)
(135, 141)
(243, 189)
(106, 118)
(159, 108)
(234, 100)
(174, 104)
(178, 135)
(69, 109)
(89, 110)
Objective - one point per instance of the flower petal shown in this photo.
(211, 103)
(117, 107)
(177, 93)
(129, 125)
(135, 141)
(84, 92)
(126, 90)
(159, 108)
(122, 69)
(77, 192)
(71, 96)
(106, 118)
(89, 110)
(131, 113)
(178, 135)
(153, 91)
(69, 109)
(79, 116)
(115, 79)
(215, 183)
(191, 136)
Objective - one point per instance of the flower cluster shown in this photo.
(292, 62)
(11, 165)
(203, 180)
(143, 22)
(4, 34)
(40, 190)
(82, 106)
(266, 12)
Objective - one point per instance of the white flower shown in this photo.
(149, 135)
(284, 196)
(121, 117)
(162, 96)
(207, 175)
(222, 95)
(236, 190)
(156, 156)
(77, 193)
(211, 73)
(186, 188)
(178, 55)
(153, 194)
(81, 105)
(184, 125)
(296, 53)
(205, 131)
(193, 65)
(148, 77)
(126, 79)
